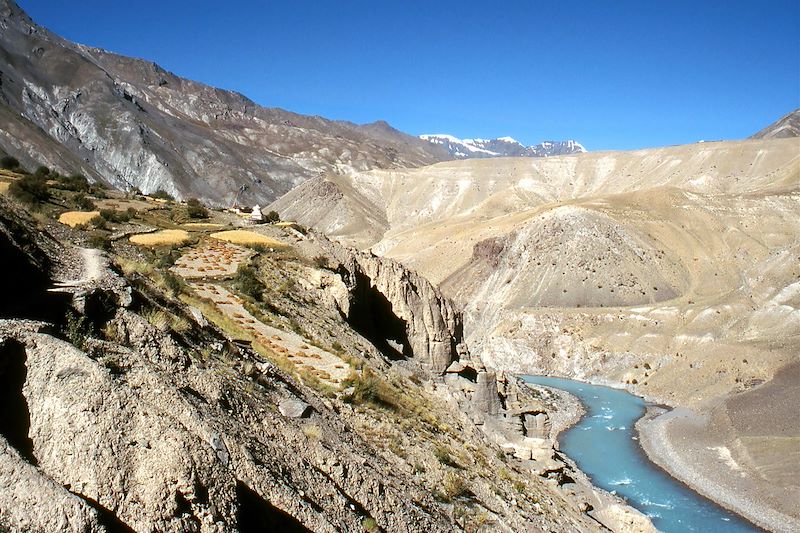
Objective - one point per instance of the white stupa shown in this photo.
(256, 215)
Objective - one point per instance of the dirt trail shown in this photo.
(93, 264)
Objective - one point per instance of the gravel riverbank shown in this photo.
(681, 443)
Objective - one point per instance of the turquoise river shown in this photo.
(604, 444)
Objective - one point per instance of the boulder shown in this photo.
(294, 408)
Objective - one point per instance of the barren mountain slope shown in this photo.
(501, 193)
(682, 226)
(673, 270)
(786, 126)
(136, 125)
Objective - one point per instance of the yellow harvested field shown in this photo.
(9, 174)
(159, 238)
(4, 186)
(247, 237)
(286, 224)
(202, 225)
(75, 218)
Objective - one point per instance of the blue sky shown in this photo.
(612, 75)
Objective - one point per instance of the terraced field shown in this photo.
(213, 260)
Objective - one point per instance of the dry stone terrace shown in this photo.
(326, 366)
(211, 258)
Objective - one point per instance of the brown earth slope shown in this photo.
(786, 126)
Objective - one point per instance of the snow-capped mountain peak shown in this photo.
(501, 147)
(460, 148)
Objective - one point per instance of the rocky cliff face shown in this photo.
(131, 436)
(133, 124)
(400, 311)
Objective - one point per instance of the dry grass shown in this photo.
(452, 487)
(158, 318)
(247, 237)
(161, 238)
(312, 431)
(200, 226)
(77, 218)
(130, 267)
(4, 185)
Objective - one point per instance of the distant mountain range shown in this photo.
(501, 147)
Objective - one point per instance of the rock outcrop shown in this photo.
(399, 311)
(525, 422)
(786, 126)
(182, 450)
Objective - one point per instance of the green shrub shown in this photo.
(163, 195)
(320, 261)
(112, 215)
(100, 241)
(453, 487)
(272, 216)
(30, 190)
(99, 223)
(370, 525)
(247, 282)
(75, 182)
(77, 330)
(9, 163)
(172, 282)
(167, 258)
(442, 454)
(42, 171)
(99, 189)
(83, 203)
(195, 209)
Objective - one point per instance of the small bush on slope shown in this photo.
(31, 190)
